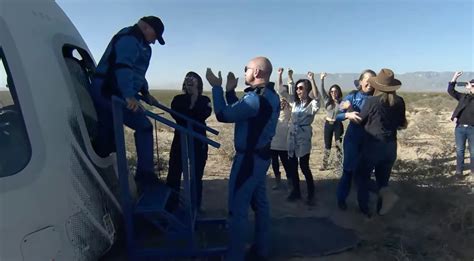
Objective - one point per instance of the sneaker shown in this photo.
(388, 200)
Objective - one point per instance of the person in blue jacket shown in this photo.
(352, 144)
(121, 72)
(197, 107)
(255, 116)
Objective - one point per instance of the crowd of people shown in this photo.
(271, 124)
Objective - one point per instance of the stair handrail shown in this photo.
(180, 115)
(175, 125)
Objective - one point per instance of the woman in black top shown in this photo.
(463, 115)
(382, 115)
(198, 107)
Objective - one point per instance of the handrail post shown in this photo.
(185, 166)
(192, 173)
(122, 168)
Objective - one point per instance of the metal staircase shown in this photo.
(154, 230)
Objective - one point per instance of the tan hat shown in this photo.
(385, 81)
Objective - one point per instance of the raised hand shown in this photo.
(231, 82)
(280, 71)
(310, 76)
(323, 75)
(212, 79)
(290, 73)
(456, 76)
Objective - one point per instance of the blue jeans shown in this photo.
(135, 120)
(462, 134)
(250, 193)
(379, 156)
(352, 146)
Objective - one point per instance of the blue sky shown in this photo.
(329, 35)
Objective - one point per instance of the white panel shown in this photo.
(44, 244)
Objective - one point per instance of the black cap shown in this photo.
(157, 26)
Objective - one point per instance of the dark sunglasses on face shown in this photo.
(246, 68)
(300, 87)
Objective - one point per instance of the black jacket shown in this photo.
(200, 112)
(382, 121)
(463, 104)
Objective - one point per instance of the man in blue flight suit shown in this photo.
(255, 116)
(121, 72)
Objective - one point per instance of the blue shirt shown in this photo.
(248, 113)
(132, 57)
(357, 100)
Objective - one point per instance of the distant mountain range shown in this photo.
(411, 82)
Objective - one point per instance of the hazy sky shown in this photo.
(328, 35)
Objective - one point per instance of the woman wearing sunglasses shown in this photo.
(304, 100)
(198, 107)
(331, 126)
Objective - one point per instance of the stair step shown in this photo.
(153, 200)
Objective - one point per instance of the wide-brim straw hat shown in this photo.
(385, 81)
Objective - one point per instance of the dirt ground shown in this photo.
(433, 220)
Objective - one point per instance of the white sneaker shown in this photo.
(389, 198)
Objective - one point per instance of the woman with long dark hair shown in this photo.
(381, 117)
(332, 128)
(198, 107)
(304, 100)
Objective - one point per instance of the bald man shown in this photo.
(255, 116)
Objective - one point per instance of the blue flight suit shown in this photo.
(255, 116)
(352, 144)
(121, 71)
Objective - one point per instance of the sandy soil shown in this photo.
(434, 219)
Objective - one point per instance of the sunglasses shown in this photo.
(246, 68)
(300, 87)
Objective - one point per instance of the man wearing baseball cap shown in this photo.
(121, 72)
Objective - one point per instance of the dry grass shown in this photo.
(435, 218)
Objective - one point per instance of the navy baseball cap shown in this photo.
(157, 26)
